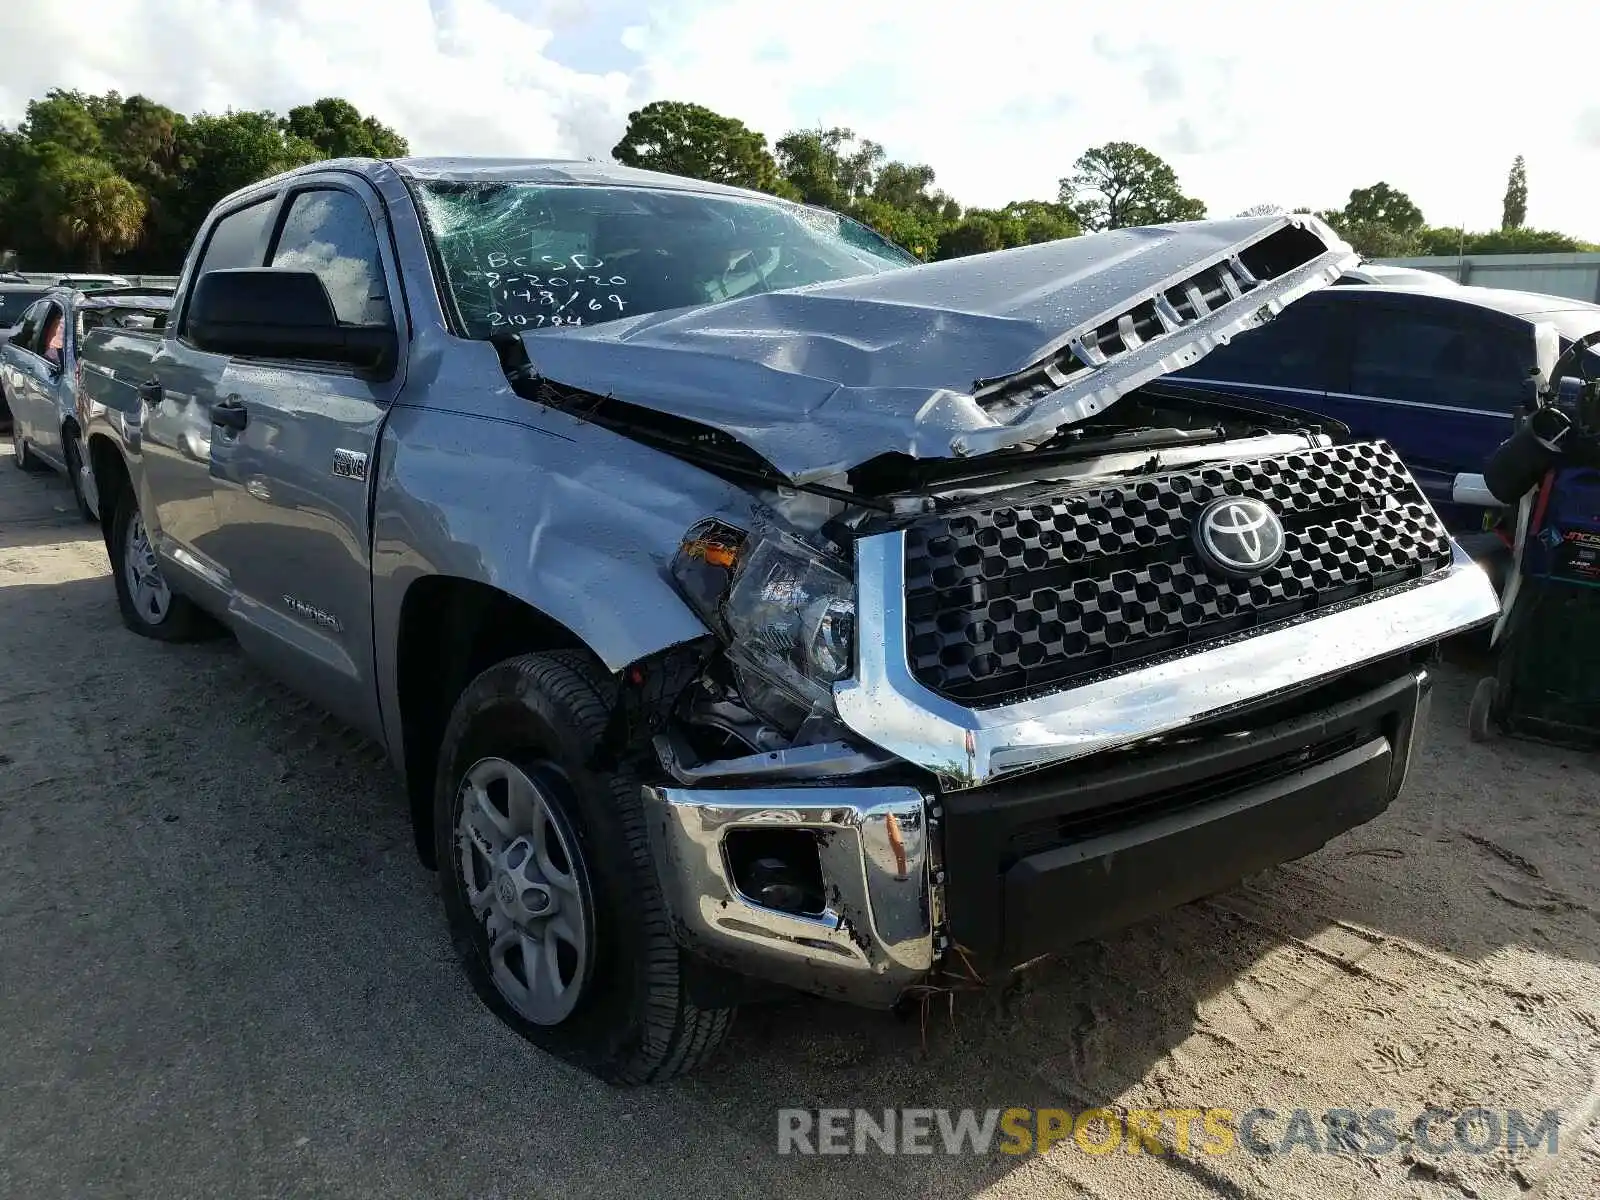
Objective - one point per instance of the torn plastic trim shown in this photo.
(824, 760)
(875, 937)
(1096, 379)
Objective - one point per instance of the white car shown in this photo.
(1387, 275)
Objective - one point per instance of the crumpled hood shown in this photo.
(953, 358)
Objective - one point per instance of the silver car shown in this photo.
(39, 376)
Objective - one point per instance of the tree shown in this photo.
(337, 129)
(1262, 210)
(63, 119)
(975, 233)
(1499, 241)
(231, 151)
(829, 166)
(1374, 239)
(86, 203)
(1020, 223)
(687, 139)
(1381, 204)
(1514, 209)
(1120, 184)
(1040, 221)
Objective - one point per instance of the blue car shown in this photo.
(1436, 373)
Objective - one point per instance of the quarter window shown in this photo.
(329, 232)
(236, 239)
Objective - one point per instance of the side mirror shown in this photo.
(274, 312)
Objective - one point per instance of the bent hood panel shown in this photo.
(820, 379)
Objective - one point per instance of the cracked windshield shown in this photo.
(524, 256)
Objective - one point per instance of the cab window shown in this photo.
(328, 231)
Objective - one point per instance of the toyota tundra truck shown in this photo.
(746, 605)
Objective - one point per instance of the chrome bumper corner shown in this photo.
(875, 937)
(967, 747)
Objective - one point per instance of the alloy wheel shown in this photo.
(152, 598)
(526, 886)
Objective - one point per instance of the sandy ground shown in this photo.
(223, 973)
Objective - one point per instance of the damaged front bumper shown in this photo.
(874, 936)
(923, 887)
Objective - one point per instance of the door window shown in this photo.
(1287, 352)
(236, 240)
(27, 335)
(1428, 358)
(52, 335)
(329, 232)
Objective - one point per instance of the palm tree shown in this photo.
(86, 203)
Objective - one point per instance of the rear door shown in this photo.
(1440, 379)
(15, 368)
(176, 401)
(33, 367)
(291, 468)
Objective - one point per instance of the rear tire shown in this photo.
(623, 1012)
(148, 604)
(21, 456)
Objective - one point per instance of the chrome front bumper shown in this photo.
(968, 747)
(875, 937)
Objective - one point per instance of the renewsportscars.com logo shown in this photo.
(1213, 1131)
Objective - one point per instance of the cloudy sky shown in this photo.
(1294, 103)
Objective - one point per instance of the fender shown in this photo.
(572, 519)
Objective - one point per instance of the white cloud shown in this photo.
(1250, 101)
(454, 76)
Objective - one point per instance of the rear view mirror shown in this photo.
(274, 312)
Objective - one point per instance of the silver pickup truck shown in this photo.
(745, 604)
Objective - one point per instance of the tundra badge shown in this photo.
(312, 613)
(349, 464)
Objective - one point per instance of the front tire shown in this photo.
(548, 882)
(73, 453)
(148, 604)
(1480, 714)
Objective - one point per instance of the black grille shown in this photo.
(1004, 603)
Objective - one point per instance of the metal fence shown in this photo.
(46, 278)
(1576, 276)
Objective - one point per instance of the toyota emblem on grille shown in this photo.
(1238, 536)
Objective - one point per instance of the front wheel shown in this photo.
(148, 604)
(548, 882)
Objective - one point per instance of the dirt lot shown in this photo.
(223, 973)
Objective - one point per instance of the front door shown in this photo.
(293, 453)
(175, 401)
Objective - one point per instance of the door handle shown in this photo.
(151, 391)
(230, 414)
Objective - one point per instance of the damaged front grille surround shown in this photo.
(1165, 328)
(967, 744)
(1005, 602)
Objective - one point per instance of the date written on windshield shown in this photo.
(534, 293)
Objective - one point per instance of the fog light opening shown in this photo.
(777, 868)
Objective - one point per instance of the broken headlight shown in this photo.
(787, 613)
